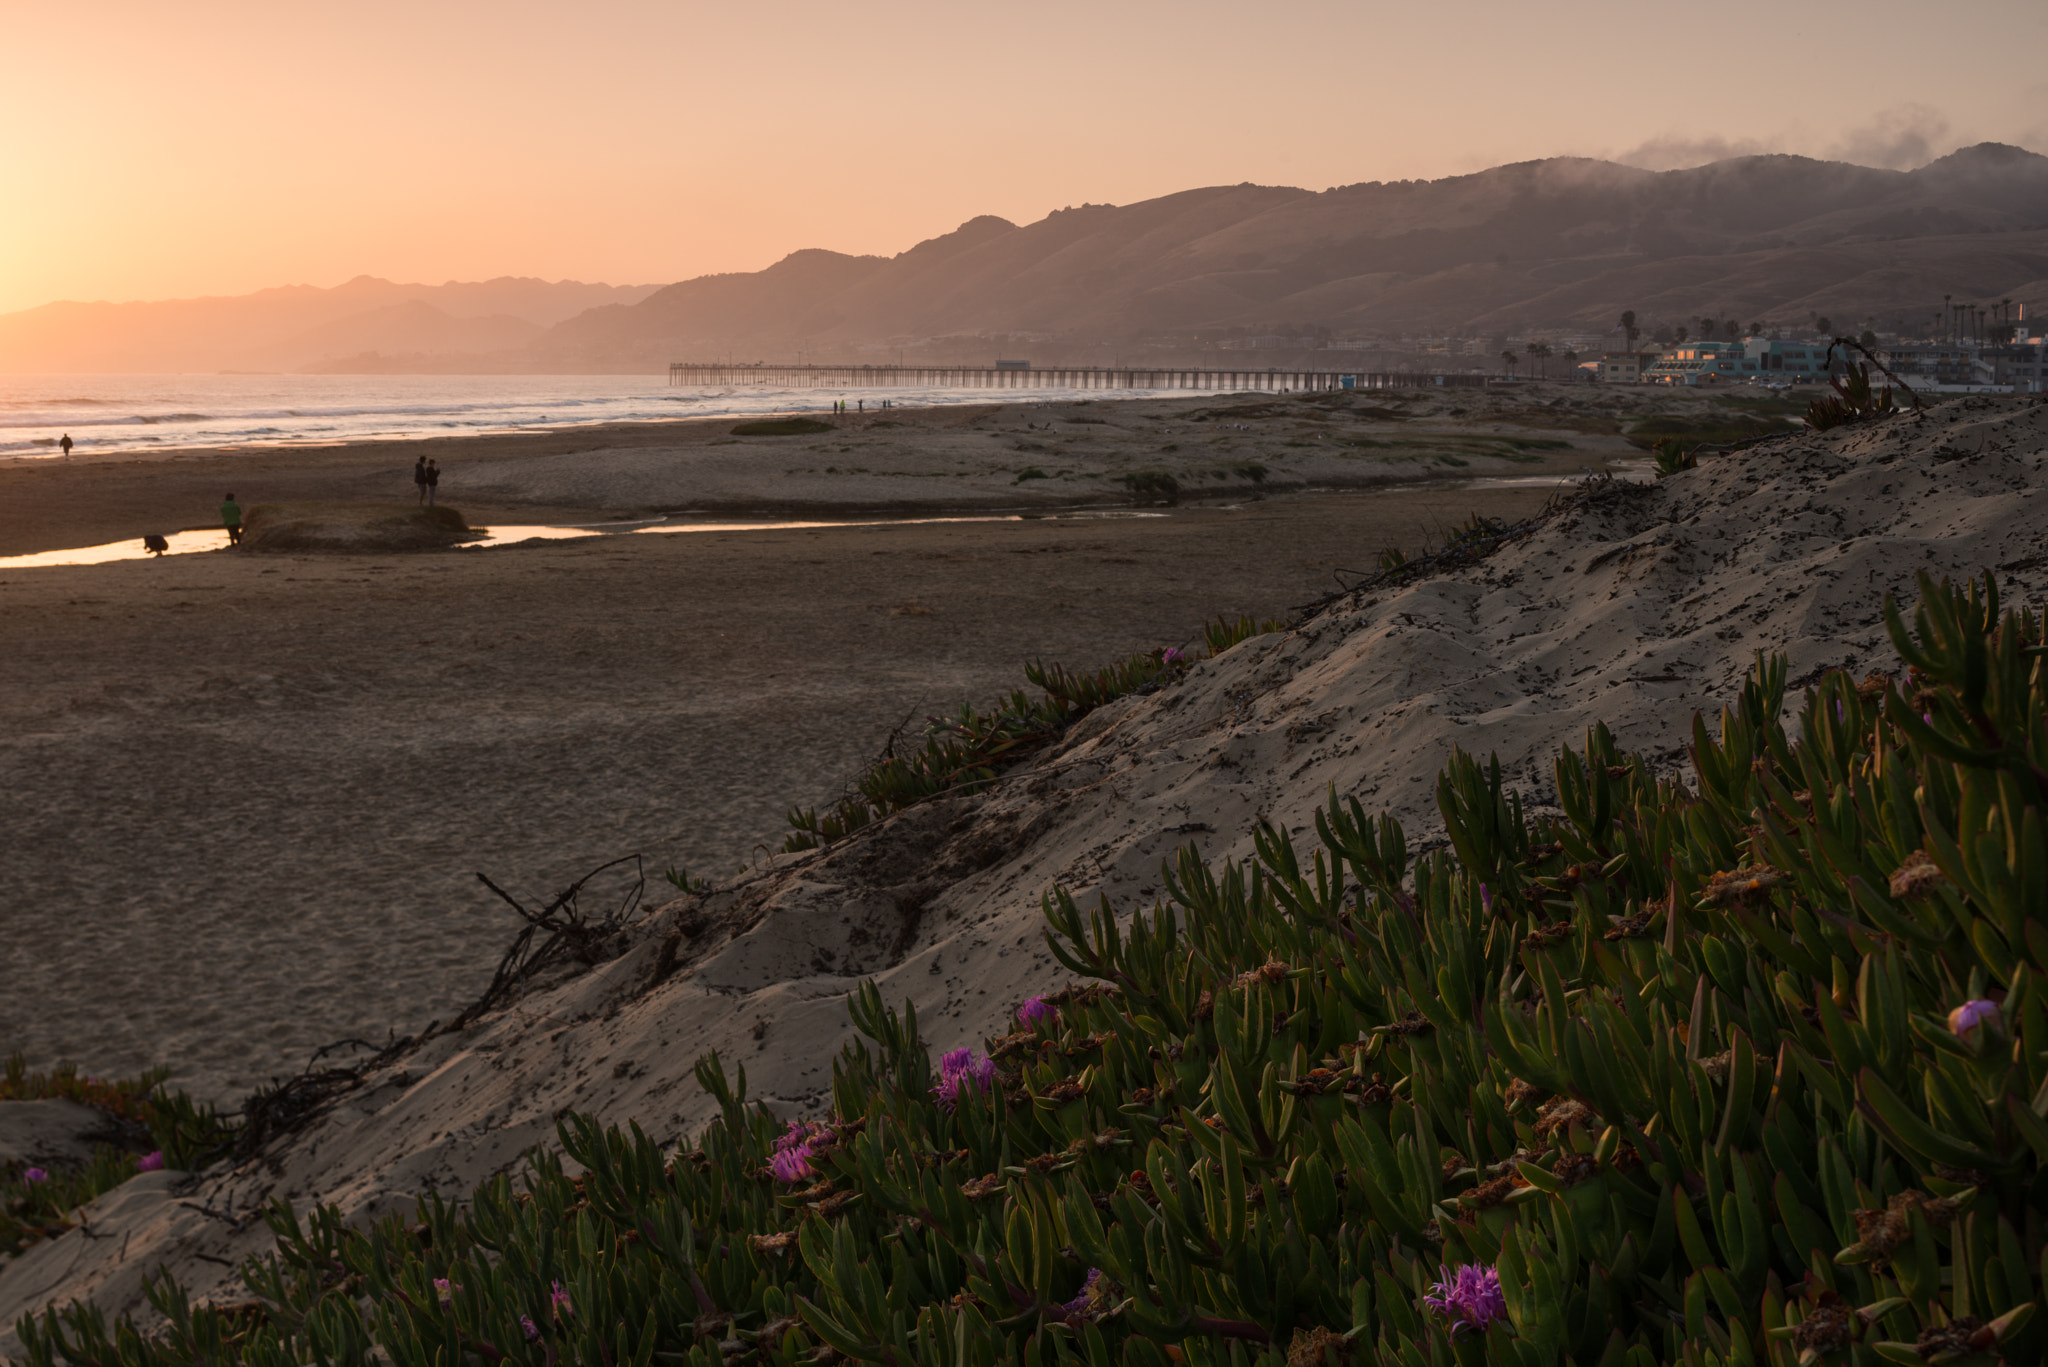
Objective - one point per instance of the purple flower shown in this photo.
(150, 1162)
(1486, 899)
(529, 1328)
(1171, 656)
(961, 1065)
(1470, 1298)
(794, 1150)
(1036, 1009)
(445, 1291)
(1086, 1300)
(558, 1301)
(34, 1175)
(1972, 1014)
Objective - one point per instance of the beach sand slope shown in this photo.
(1636, 609)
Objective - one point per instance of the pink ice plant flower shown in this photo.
(960, 1066)
(791, 1161)
(1470, 1298)
(34, 1175)
(444, 1290)
(558, 1301)
(529, 1328)
(1972, 1014)
(150, 1162)
(1082, 1302)
(1036, 1009)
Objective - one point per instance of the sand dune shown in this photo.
(1638, 609)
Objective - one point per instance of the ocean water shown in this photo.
(169, 412)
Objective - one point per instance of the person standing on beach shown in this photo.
(231, 518)
(66, 444)
(433, 481)
(419, 477)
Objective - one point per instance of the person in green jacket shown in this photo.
(231, 518)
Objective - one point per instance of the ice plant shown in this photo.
(1470, 1298)
(444, 1290)
(150, 1162)
(558, 1301)
(1972, 1014)
(961, 1065)
(1086, 1300)
(34, 1175)
(529, 1328)
(1036, 1009)
(791, 1161)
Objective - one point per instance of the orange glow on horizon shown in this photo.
(226, 147)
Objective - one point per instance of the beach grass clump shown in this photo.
(964, 753)
(1154, 486)
(1745, 1067)
(781, 427)
(1712, 429)
(1674, 457)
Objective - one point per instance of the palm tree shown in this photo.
(1508, 360)
(1541, 351)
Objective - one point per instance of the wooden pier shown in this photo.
(722, 375)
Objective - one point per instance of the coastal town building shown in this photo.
(1759, 359)
(2019, 367)
(1624, 367)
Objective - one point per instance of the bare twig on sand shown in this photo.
(286, 1106)
(283, 1107)
(569, 933)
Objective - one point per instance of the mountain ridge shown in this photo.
(1560, 244)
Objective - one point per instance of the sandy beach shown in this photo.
(253, 830)
(1026, 456)
(247, 795)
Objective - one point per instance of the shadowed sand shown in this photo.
(246, 794)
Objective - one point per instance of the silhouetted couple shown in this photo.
(427, 475)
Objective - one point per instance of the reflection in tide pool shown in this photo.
(501, 535)
(181, 543)
(184, 543)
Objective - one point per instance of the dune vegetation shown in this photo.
(1739, 1065)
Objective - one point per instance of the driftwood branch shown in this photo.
(569, 932)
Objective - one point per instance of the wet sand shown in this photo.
(1022, 456)
(246, 795)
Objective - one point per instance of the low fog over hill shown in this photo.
(1561, 244)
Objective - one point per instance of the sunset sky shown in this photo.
(155, 151)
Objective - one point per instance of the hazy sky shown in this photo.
(153, 151)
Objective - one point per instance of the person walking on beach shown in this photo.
(231, 518)
(419, 477)
(66, 444)
(433, 481)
